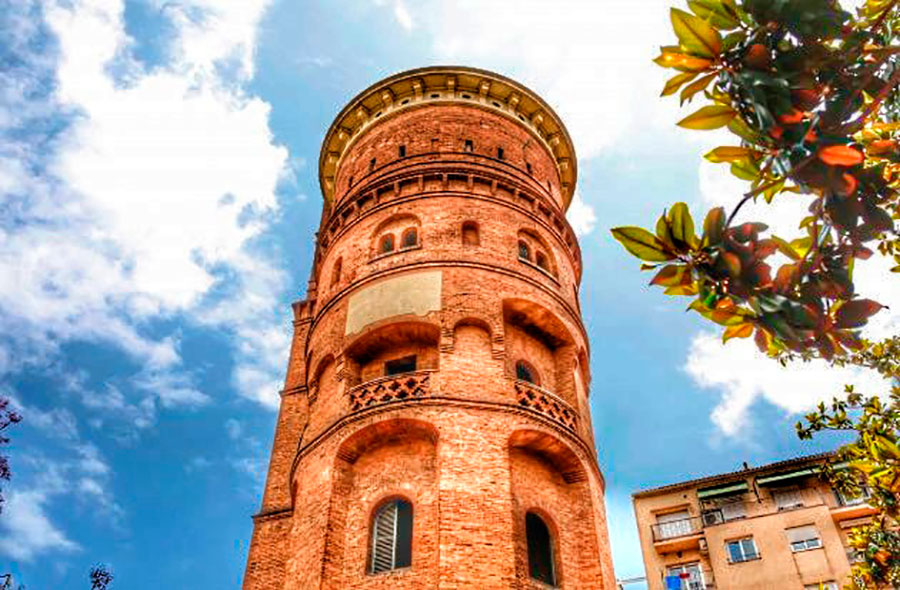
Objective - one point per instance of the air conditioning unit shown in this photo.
(712, 517)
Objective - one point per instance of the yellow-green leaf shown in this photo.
(682, 225)
(671, 275)
(745, 169)
(709, 117)
(681, 290)
(664, 230)
(673, 57)
(642, 244)
(714, 226)
(677, 82)
(728, 154)
(744, 330)
(696, 35)
(716, 12)
(691, 89)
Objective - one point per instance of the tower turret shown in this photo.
(435, 429)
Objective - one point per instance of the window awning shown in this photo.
(729, 489)
(786, 476)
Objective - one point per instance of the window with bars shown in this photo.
(741, 550)
(391, 537)
(803, 538)
(540, 550)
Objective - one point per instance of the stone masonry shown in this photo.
(439, 357)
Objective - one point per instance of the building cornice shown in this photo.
(735, 475)
(443, 85)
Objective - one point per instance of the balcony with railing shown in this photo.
(395, 388)
(529, 395)
(677, 535)
(692, 577)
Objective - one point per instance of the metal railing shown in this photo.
(684, 527)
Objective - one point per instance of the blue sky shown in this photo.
(159, 199)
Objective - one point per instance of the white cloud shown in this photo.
(581, 216)
(401, 13)
(149, 198)
(737, 371)
(27, 530)
(590, 60)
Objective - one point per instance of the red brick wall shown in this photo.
(447, 446)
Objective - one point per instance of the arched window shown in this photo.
(524, 250)
(336, 272)
(525, 372)
(470, 233)
(391, 537)
(541, 260)
(386, 244)
(540, 550)
(410, 238)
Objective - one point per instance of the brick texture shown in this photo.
(471, 449)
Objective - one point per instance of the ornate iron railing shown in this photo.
(395, 388)
(529, 395)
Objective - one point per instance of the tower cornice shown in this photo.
(437, 85)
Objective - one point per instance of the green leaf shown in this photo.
(642, 244)
(709, 117)
(716, 12)
(672, 57)
(682, 225)
(695, 35)
(677, 82)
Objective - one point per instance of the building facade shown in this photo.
(778, 526)
(434, 429)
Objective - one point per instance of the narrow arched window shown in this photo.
(525, 372)
(336, 272)
(410, 238)
(386, 244)
(524, 250)
(391, 537)
(470, 233)
(540, 550)
(541, 260)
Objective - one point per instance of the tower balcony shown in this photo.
(395, 388)
(534, 397)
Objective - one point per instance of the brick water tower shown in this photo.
(434, 429)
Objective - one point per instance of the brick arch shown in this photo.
(553, 450)
(535, 317)
(538, 244)
(368, 437)
(389, 459)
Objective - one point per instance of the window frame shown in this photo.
(414, 231)
(470, 227)
(399, 361)
(403, 509)
(523, 367)
(531, 549)
(383, 240)
(795, 491)
(693, 583)
(813, 540)
(744, 554)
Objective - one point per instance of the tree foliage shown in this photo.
(810, 93)
(8, 417)
(101, 577)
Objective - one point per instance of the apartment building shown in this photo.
(780, 526)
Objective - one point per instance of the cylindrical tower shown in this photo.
(435, 429)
